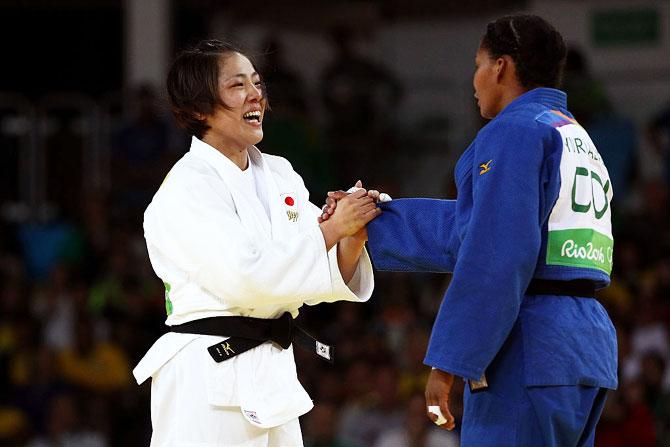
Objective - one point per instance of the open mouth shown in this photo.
(252, 117)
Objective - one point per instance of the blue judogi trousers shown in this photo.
(509, 413)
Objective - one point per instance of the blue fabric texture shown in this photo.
(493, 238)
(409, 241)
(510, 413)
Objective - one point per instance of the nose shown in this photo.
(254, 92)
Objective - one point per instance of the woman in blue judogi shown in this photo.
(528, 240)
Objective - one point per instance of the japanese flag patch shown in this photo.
(291, 206)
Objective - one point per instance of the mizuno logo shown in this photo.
(485, 167)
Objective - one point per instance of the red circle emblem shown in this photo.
(289, 201)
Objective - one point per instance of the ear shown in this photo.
(505, 67)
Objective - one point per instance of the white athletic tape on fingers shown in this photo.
(435, 409)
(383, 197)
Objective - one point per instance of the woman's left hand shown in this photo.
(334, 196)
(438, 390)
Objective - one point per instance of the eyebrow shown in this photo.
(242, 75)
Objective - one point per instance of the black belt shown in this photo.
(247, 332)
(582, 288)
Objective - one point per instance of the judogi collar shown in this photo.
(247, 203)
(550, 97)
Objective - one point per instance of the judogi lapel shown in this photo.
(247, 204)
(280, 224)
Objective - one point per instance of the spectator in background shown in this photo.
(56, 304)
(587, 94)
(649, 334)
(398, 315)
(143, 149)
(413, 374)
(379, 408)
(49, 243)
(291, 130)
(358, 95)
(658, 133)
(94, 365)
(286, 86)
(34, 378)
(320, 427)
(626, 421)
(13, 427)
(652, 374)
(65, 428)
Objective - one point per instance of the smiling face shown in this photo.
(241, 124)
(485, 81)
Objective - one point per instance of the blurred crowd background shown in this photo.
(376, 90)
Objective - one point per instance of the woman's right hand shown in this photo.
(335, 196)
(353, 212)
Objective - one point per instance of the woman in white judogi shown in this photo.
(231, 232)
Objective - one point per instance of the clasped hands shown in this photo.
(350, 211)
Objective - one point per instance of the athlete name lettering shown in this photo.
(576, 145)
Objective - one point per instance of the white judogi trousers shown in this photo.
(182, 415)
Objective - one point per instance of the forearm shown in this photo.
(330, 234)
(348, 253)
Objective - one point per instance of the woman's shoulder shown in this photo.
(190, 165)
(281, 167)
(277, 163)
(190, 179)
(187, 170)
(284, 174)
(520, 131)
(526, 121)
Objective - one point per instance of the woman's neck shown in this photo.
(509, 94)
(238, 155)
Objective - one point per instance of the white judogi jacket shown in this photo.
(211, 241)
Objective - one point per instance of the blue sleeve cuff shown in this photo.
(459, 369)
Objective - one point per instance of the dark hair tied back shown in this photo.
(537, 49)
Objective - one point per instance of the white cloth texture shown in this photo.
(212, 242)
(193, 401)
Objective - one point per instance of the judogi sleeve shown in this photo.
(360, 286)
(414, 235)
(498, 253)
(195, 224)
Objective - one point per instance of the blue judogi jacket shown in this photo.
(494, 240)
